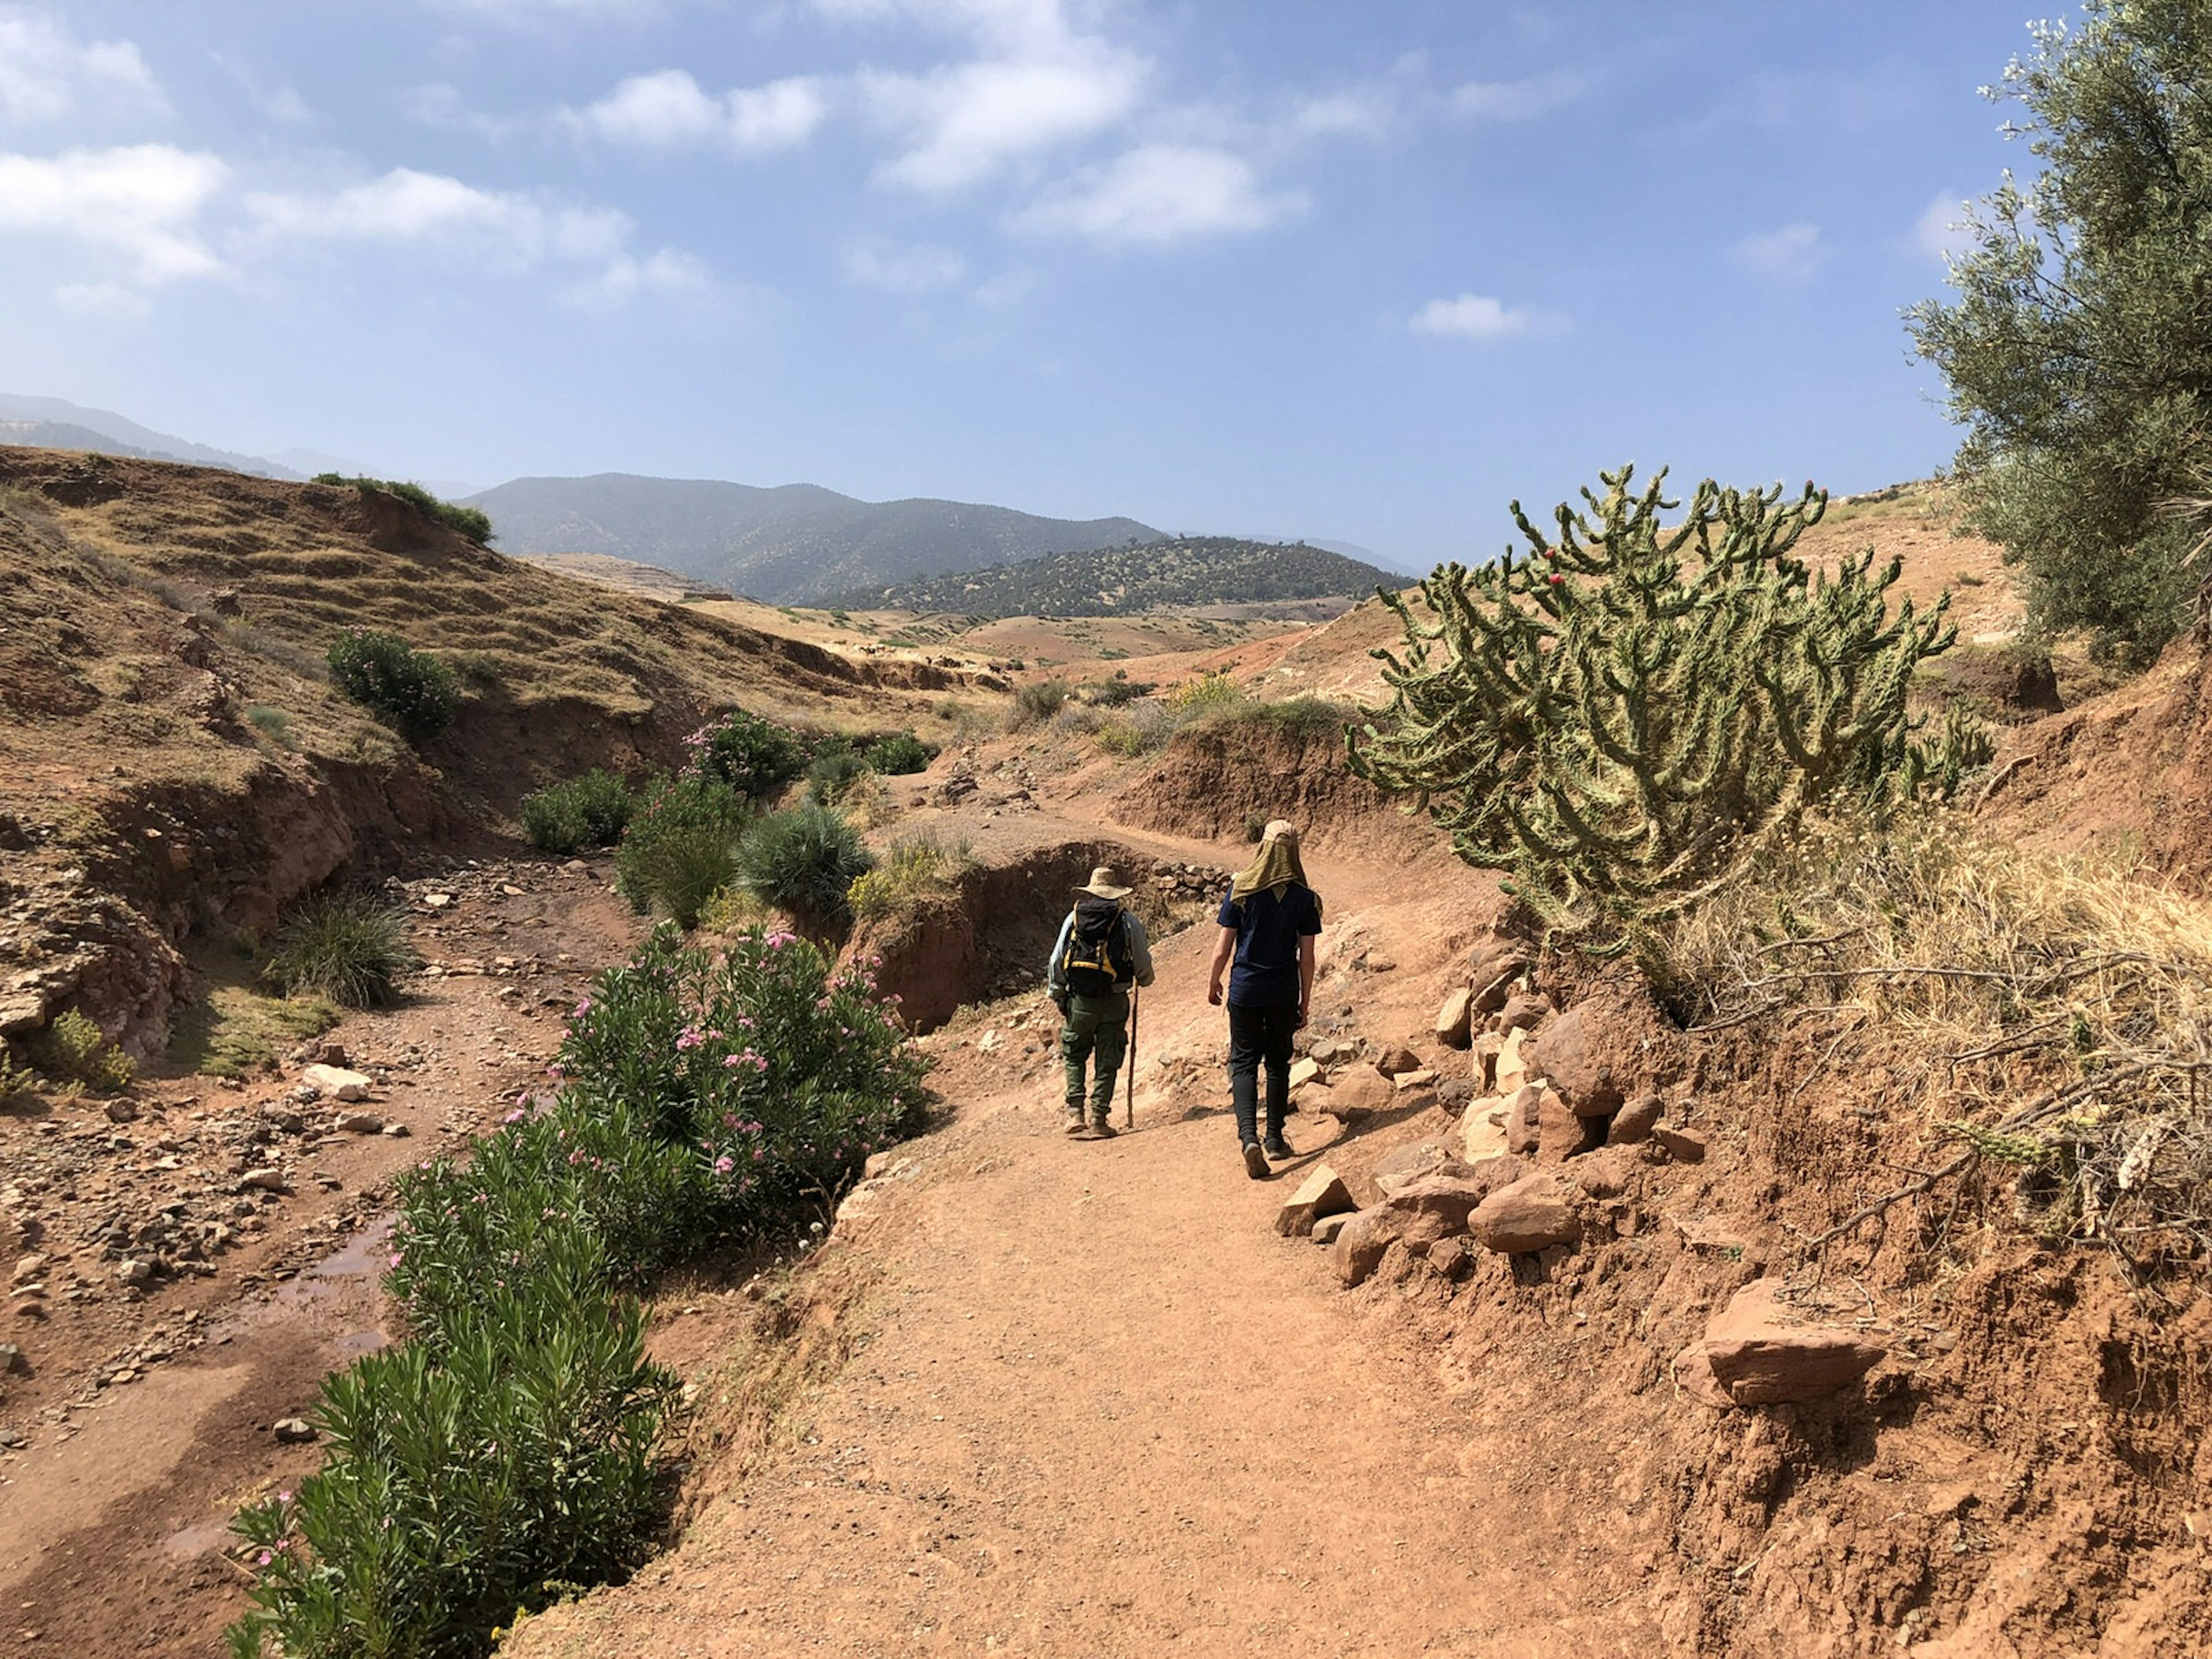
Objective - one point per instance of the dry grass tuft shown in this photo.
(2059, 1011)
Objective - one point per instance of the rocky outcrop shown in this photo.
(1765, 1350)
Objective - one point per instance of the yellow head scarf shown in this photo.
(1276, 865)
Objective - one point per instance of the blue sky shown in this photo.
(1353, 268)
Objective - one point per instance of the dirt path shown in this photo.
(1097, 1406)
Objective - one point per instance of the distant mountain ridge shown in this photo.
(1168, 571)
(56, 423)
(787, 543)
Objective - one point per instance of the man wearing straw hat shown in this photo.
(1100, 954)
(1268, 924)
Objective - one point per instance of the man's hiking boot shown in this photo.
(1255, 1161)
(1101, 1129)
(1075, 1125)
(1276, 1147)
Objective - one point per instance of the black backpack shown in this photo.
(1098, 955)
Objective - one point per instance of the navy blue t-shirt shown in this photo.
(1268, 929)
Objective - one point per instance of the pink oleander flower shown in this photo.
(724, 1165)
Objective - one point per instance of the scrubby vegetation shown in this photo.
(509, 1451)
(409, 690)
(681, 833)
(349, 946)
(576, 813)
(1114, 581)
(472, 521)
(75, 1051)
(2051, 1013)
(913, 869)
(1634, 713)
(804, 860)
(1038, 702)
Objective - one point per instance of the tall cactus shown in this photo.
(1622, 717)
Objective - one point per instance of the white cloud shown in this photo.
(1161, 193)
(668, 110)
(1940, 232)
(1018, 28)
(963, 123)
(523, 11)
(1366, 111)
(1791, 255)
(103, 299)
(45, 74)
(439, 104)
(916, 269)
(1473, 316)
(1517, 101)
(498, 230)
(141, 201)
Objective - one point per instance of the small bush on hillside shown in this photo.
(1137, 730)
(749, 754)
(833, 772)
(1211, 693)
(1039, 700)
(913, 868)
(684, 868)
(591, 810)
(899, 754)
(696, 809)
(804, 861)
(271, 722)
(409, 691)
(1116, 692)
(73, 1049)
(1306, 718)
(472, 521)
(17, 1081)
(351, 947)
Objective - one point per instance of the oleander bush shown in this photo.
(751, 754)
(512, 1450)
(409, 690)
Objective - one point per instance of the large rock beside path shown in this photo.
(1761, 1351)
(1434, 1208)
(1532, 1213)
(1454, 1018)
(1322, 1193)
(1576, 1056)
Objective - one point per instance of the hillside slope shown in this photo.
(56, 423)
(1157, 574)
(791, 543)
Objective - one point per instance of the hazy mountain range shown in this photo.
(791, 544)
(797, 541)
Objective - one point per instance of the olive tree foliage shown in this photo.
(1627, 714)
(2078, 349)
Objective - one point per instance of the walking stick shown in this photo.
(1129, 1108)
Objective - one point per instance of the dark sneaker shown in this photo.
(1255, 1161)
(1101, 1129)
(1276, 1147)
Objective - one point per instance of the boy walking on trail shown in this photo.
(1268, 924)
(1100, 954)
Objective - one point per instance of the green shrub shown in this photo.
(16, 1080)
(696, 809)
(1626, 717)
(914, 867)
(408, 689)
(1306, 717)
(510, 1450)
(900, 753)
(271, 722)
(683, 868)
(833, 772)
(804, 861)
(1039, 700)
(349, 946)
(75, 1050)
(1137, 730)
(512, 1459)
(1116, 692)
(591, 810)
(472, 521)
(749, 754)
